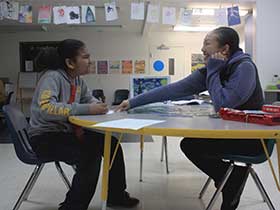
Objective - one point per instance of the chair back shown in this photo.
(120, 95)
(99, 94)
(17, 126)
(9, 97)
(253, 159)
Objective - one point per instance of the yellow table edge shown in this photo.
(235, 134)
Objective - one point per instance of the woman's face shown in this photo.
(211, 46)
(82, 62)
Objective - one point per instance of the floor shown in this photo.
(177, 190)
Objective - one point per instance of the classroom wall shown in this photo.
(102, 45)
(267, 39)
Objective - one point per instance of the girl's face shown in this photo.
(212, 46)
(81, 64)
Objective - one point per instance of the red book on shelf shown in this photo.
(271, 108)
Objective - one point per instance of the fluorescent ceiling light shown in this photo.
(193, 28)
(211, 12)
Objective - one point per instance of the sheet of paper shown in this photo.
(169, 15)
(254, 112)
(133, 124)
(153, 13)
(59, 15)
(137, 11)
(88, 14)
(111, 12)
(73, 15)
(221, 16)
(185, 16)
(188, 102)
(110, 112)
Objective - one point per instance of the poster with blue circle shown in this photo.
(158, 65)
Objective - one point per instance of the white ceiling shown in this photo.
(123, 23)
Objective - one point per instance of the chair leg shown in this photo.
(29, 185)
(162, 149)
(166, 153)
(204, 188)
(261, 188)
(141, 157)
(220, 187)
(34, 180)
(74, 167)
(62, 175)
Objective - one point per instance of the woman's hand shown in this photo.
(98, 108)
(123, 106)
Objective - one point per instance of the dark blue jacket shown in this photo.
(233, 83)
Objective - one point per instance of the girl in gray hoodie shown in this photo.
(59, 94)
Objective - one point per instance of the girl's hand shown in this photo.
(98, 108)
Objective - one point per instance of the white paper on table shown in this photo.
(188, 102)
(133, 124)
(110, 112)
(169, 15)
(137, 11)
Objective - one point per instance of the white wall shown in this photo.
(102, 45)
(267, 39)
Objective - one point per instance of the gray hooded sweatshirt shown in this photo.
(51, 105)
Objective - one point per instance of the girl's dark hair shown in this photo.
(54, 57)
(227, 35)
(69, 48)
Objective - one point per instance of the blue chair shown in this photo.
(99, 94)
(7, 101)
(17, 126)
(249, 161)
(120, 95)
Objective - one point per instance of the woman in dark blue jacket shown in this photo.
(232, 80)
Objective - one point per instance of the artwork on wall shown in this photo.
(92, 67)
(9, 10)
(153, 13)
(44, 15)
(73, 15)
(102, 67)
(114, 67)
(197, 61)
(111, 12)
(139, 66)
(127, 66)
(142, 84)
(59, 15)
(88, 14)
(25, 14)
(185, 16)
(233, 16)
(221, 16)
(137, 11)
(169, 15)
(158, 65)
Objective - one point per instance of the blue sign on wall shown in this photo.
(158, 65)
